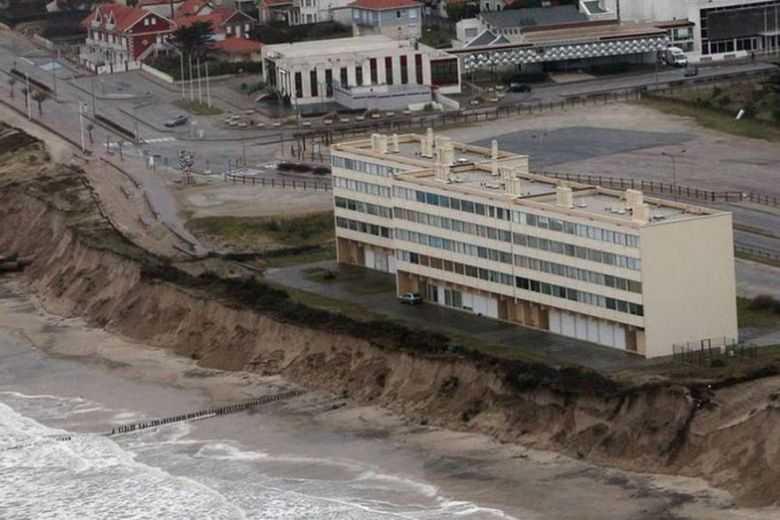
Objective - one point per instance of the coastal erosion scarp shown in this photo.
(81, 267)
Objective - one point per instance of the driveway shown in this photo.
(532, 341)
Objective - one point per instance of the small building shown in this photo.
(711, 30)
(272, 11)
(473, 229)
(193, 8)
(167, 8)
(399, 19)
(235, 49)
(120, 37)
(226, 22)
(556, 38)
(317, 11)
(306, 73)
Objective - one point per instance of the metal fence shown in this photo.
(285, 184)
(662, 188)
(713, 352)
(768, 255)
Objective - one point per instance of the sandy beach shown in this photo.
(495, 480)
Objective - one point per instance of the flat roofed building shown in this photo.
(472, 228)
(306, 72)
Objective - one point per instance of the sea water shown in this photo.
(233, 467)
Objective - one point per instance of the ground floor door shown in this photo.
(588, 329)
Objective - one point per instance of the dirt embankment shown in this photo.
(729, 436)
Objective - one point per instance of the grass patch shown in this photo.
(256, 232)
(197, 109)
(326, 252)
(716, 120)
(757, 258)
(760, 311)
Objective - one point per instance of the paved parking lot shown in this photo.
(566, 350)
(562, 145)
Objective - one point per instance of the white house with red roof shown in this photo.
(120, 37)
(194, 7)
(398, 19)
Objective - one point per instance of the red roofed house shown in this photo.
(167, 8)
(238, 49)
(399, 19)
(119, 37)
(226, 22)
(194, 7)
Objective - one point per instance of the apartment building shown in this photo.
(473, 229)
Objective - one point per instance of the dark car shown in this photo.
(411, 298)
(519, 87)
(691, 70)
(176, 121)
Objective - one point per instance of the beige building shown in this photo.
(471, 228)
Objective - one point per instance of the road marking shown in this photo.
(159, 139)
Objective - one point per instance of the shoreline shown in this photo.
(519, 470)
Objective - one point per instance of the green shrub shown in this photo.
(724, 100)
(764, 302)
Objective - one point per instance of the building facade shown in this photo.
(306, 72)
(714, 29)
(120, 37)
(398, 19)
(472, 229)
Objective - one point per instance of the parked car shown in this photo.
(519, 87)
(176, 121)
(411, 298)
(691, 70)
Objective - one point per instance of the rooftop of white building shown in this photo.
(369, 44)
(472, 172)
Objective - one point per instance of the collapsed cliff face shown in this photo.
(658, 428)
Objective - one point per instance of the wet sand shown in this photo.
(500, 480)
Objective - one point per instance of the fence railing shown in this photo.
(768, 255)
(661, 188)
(285, 184)
(713, 352)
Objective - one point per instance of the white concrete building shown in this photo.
(307, 71)
(711, 29)
(472, 229)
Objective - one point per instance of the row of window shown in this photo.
(519, 217)
(584, 253)
(527, 284)
(361, 187)
(362, 227)
(580, 230)
(576, 273)
(535, 264)
(453, 245)
(453, 224)
(364, 207)
(363, 166)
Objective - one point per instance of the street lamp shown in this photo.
(82, 107)
(674, 157)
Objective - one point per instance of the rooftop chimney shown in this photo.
(564, 197)
(396, 144)
(442, 173)
(514, 187)
(445, 154)
(634, 200)
(494, 150)
(641, 214)
(381, 143)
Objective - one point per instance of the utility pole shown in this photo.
(200, 90)
(208, 91)
(181, 74)
(673, 157)
(27, 96)
(192, 87)
(81, 125)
